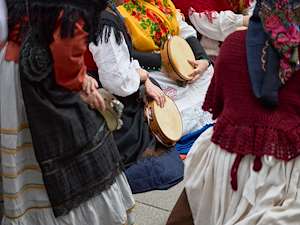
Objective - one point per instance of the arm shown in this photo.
(152, 61)
(68, 56)
(117, 73)
(219, 26)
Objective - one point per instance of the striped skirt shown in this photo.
(24, 200)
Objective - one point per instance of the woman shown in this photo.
(215, 19)
(69, 171)
(149, 165)
(246, 169)
(3, 25)
(150, 23)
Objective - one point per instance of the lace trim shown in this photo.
(257, 140)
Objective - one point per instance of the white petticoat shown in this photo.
(189, 99)
(25, 200)
(269, 197)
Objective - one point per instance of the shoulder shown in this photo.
(234, 43)
(233, 51)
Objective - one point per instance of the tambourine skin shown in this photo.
(175, 55)
(111, 116)
(167, 132)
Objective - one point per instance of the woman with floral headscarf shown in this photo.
(216, 19)
(149, 23)
(246, 170)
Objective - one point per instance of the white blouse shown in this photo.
(222, 24)
(3, 22)
(117, 73)
(186, 30)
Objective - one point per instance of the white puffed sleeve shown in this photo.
(3, 23)
(117, 73)
(222, 24)
(186, 30)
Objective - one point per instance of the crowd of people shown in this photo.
(62, 165)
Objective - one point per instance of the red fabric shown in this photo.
(209, 5)
(13, 44)
(68, 55)
(89, 61)
(244, 126)
(14, 41)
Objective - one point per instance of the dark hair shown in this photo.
(44, 15)
(17, 16)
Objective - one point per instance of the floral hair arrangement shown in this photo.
(281, 21)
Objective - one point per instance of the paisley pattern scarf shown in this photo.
(149, 22)
(273, 41)
(281, 21)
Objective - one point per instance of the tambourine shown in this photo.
(113, 110)
(165, 123)
(175, 55)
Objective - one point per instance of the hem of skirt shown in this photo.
(79, 198)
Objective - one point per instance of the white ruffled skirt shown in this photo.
(269, 197)
(189, 99)
(23, 195)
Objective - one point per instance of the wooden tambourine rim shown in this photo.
(181, 76)
(155, 128)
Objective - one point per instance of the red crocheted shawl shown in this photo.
(244, 126)
(211, 5)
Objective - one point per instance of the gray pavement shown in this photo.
(153, 208)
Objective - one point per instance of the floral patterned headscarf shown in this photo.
(273, 44)
(149, 22)
(281, 21)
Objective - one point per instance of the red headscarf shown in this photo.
(211, 5)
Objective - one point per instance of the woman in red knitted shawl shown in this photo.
(246, 170)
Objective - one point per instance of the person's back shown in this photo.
(243, 122)
(245, 170)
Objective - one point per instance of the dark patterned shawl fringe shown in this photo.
(109, 23)
(16, 15)
(46, 22)
(76, 152)
(104, 32)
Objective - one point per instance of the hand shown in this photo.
(89, 85)
(181, 14)
(241, 28)
(246, 20)
(144, 75)
(200, 66)
(94, 100)
(155, 92)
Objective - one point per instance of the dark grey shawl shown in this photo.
(73, 147)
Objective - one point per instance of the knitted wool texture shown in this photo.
(244, 126)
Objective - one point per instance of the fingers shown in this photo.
(193, 63)
(86, 85)
(89, 85)
(196, 77)
(99, 101)
(159, 97)
(95, 85)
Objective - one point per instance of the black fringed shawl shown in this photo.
(77, 154)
